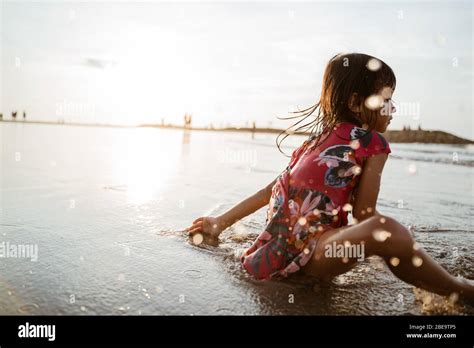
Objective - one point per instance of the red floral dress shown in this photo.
(311, 196)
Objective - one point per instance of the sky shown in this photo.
(229, 63)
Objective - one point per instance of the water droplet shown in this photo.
(382, 220)
(302, 221)
(83, 308)
(394, 261)
(374, 64)
(197, 238)
(417, 261)
(347, 207)
(374, 102)
(355, 144)
(381, 235)
(412, 169)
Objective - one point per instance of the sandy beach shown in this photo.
(106, 208)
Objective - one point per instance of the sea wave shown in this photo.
(450, 161)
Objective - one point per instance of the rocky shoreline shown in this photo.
(393, 136)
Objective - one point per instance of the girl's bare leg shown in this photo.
(404, 257)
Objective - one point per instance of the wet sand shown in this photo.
(106, 206)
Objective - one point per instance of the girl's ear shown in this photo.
(354, 104)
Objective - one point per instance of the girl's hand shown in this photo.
(210, 228)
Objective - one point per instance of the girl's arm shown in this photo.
(365, 199)
(213, 226)
(247, 206)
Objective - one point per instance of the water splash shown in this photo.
(435, 304)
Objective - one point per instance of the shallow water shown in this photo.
(105, 207)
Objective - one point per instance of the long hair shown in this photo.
(344, 75)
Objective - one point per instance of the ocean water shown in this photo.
(106, 209)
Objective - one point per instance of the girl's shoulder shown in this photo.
(364, 142)
(296, 154)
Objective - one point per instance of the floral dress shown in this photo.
(309, 197)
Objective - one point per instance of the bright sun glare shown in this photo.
(144, 165)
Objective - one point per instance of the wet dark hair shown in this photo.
(344, 75)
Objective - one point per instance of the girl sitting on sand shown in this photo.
(336, 170)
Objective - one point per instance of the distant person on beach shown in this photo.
(335, 171)
(187, 121)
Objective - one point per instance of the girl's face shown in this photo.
(381, 106)
(384, 115)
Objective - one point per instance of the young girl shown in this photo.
(336, 170)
